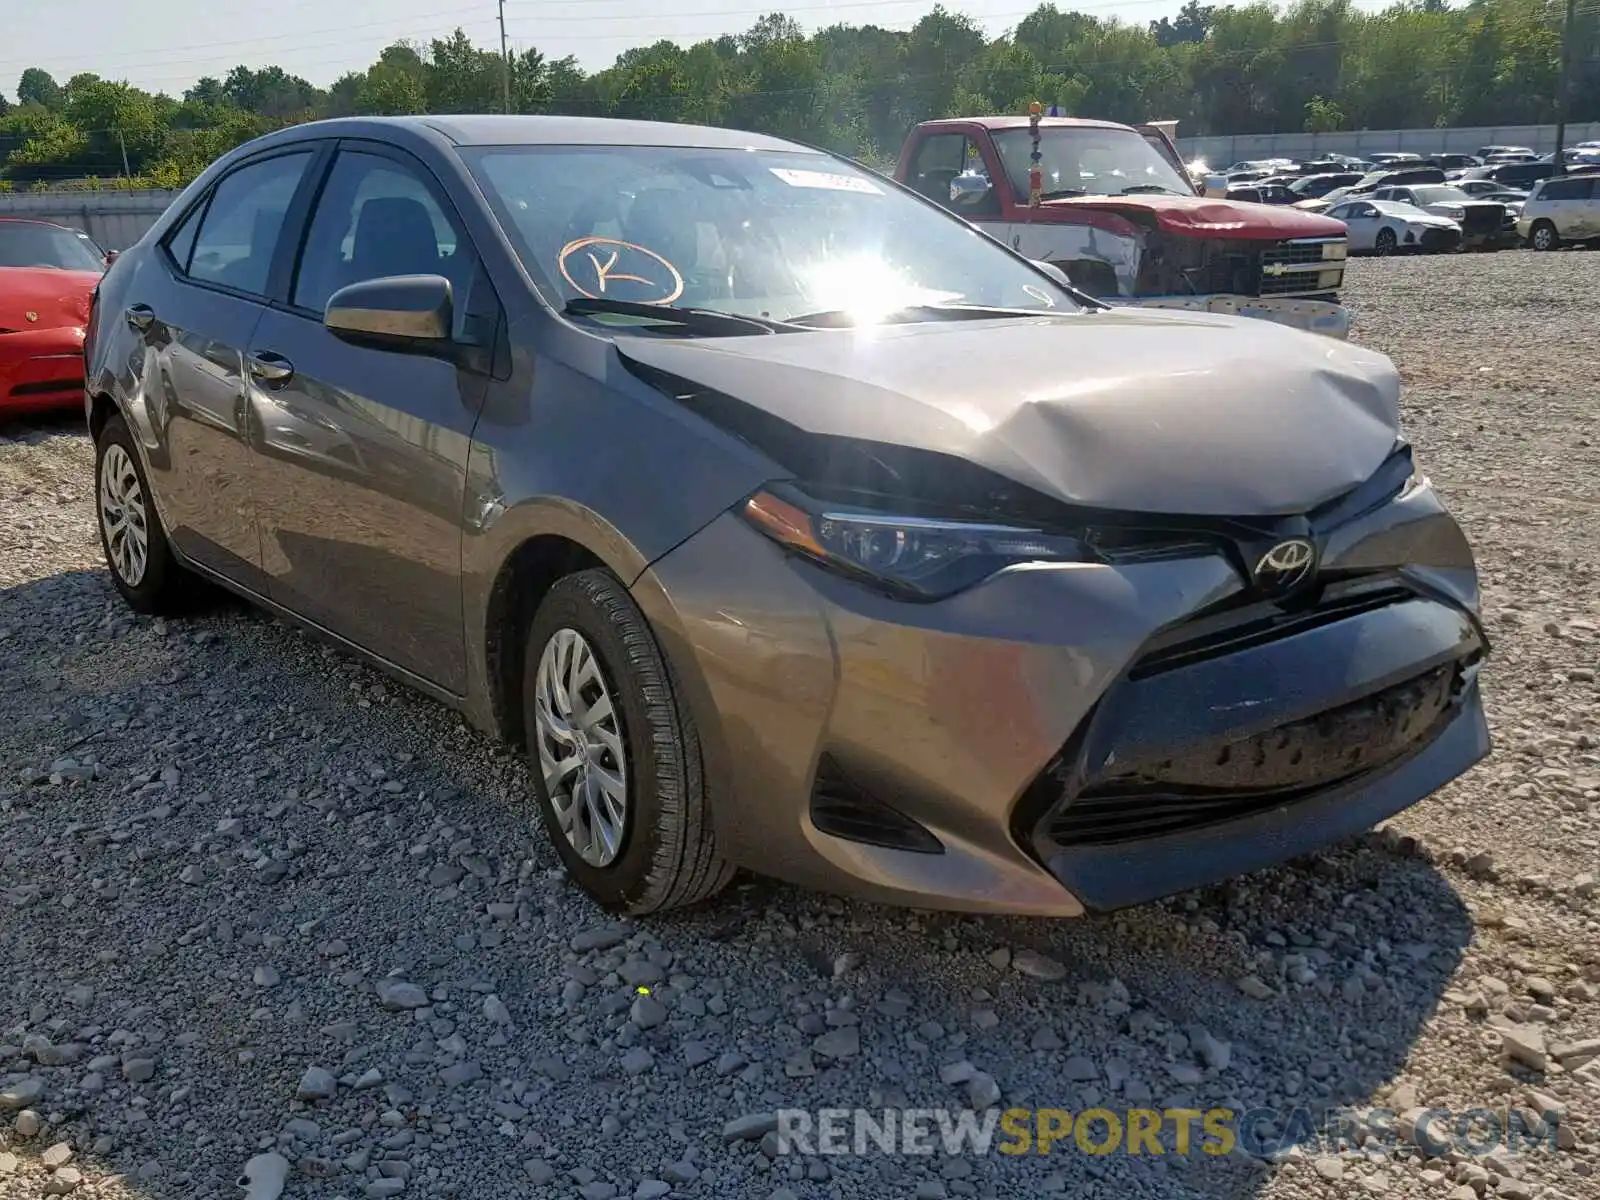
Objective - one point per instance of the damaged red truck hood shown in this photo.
(1199, 216)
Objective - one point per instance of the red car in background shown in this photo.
(48, 273)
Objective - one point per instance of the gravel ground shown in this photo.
(255, 899)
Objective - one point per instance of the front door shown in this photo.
(196, 311)
(360, 471)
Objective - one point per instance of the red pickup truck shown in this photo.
(1117, 212)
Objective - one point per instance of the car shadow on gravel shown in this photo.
(217, 836)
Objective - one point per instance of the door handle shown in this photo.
(140, 316)
(270, 368)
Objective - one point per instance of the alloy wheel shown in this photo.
(123, 517)
(1543, 238)
(581, 754)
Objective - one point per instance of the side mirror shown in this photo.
(400, 311)
(111, 256)
(969, 186)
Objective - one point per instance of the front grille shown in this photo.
(1293, 252)
(1300, 267)
(1434, 238)
(1482, 219)
(1237, 632)
(1226, 781)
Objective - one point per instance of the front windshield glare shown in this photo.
(759, 233)
(1086, 160)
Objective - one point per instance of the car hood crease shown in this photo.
(1155, 412)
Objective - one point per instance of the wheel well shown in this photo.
(103, 409)
(527, 576)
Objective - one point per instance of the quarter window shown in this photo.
(240, 230)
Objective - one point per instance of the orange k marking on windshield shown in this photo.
(664, 279)
(603, 270)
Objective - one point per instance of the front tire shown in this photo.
(1543, 236)
(614, 752)
(1386, 243)
(131, 535)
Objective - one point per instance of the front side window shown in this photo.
(34, 244)
(375, 218)
(939, 159)
(758, 233)
(239, 232)
(1087, 160)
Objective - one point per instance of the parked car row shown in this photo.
(1405, 203)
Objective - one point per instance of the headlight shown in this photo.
(1454, 211)
(921, 558)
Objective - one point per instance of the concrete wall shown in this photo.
(116, 220)
(1227, 150)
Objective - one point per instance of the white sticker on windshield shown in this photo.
(826, 181)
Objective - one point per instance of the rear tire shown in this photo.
(135, 545)
(1386, 243)
(601, 706)
(1543, 236)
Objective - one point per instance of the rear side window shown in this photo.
(239, 232)
(1565, 189)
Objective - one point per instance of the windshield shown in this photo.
(30, 244)
(1087, 160)
(758, 233)
(1439, 195)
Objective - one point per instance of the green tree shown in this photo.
(1323, 115)
(37, 87)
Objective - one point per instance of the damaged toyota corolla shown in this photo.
(787, 521)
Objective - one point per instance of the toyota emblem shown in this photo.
(1286, 565)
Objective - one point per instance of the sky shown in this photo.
(165, 45)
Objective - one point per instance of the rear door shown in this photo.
(195, 308)
(1585, 207)
(361, 470)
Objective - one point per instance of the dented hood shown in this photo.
(1161, 412)
(1199, 216)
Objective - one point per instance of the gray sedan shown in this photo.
(787, 521)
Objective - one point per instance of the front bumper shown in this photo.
(1314, 316)
(41, 369)
(925, 754)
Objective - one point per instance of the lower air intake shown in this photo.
(843, 809)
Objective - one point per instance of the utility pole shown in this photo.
(506, 55)
(1558, 165)
(120, 142)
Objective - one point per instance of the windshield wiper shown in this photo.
(1062, 193)
(843, 318)
(708, 321)
(1149, 187)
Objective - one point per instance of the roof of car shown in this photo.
(517, 130)
(1021, 122)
